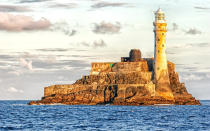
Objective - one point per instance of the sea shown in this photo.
(18, 116)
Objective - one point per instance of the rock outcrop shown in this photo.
(129, 82)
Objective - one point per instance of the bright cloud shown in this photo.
(10, 22)
(14, 90)
(25, 63)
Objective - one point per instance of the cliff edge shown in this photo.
(129, 82)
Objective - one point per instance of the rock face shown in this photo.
(129, 82)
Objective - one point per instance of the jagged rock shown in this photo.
(123, 83)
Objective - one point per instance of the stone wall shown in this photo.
(117, 78)
(65, 89)
(130, 66)
(98, 94)
(119, 67)
(96, 68)
(57, 89)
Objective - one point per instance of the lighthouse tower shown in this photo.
(161, 77)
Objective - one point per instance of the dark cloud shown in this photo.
(193, 31)
(59, 50)
(10, 22)
(103, 4)
(32, 1)
(190, 31)
(64, 28)
(175, 27)
(53, 50)
(202, 8)
(68, 32)
(94, 44)
(60, 5)
(6, 56)
(106, 28)
(12, 8)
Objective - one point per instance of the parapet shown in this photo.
(120, 67)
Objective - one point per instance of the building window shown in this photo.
(158, 68)
(158, 51)
(162, 33)
(158, 39)
(163, 45)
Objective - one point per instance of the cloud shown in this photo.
(16, 63)
(188, 45)
(202, 8)
(12, 8)
(208, 76)
(190, 31)
(16, 72)
(32, 1)
(106, 28)
(61, 65)
(103, 4)
(180, 46)
(195, 76)
(175, 27)
(191, 77)
(64, 28)
(203, 44)
(54, 49)
(14, 90)
(193, 31)
(99, 43)
(85, 44)
(94, 44)
(10, 22)
(27, 64)
(61, 5)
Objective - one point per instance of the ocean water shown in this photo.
(17, 115)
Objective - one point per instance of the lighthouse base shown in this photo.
(162, 85)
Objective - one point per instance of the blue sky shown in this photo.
(46, 42)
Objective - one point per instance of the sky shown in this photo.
(47, 42)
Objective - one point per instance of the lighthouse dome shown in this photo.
(159, 11)
(159, 16)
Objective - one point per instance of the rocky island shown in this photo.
(133, 81)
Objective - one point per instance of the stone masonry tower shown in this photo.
(161, 77)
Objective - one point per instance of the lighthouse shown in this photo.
(160, 67)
